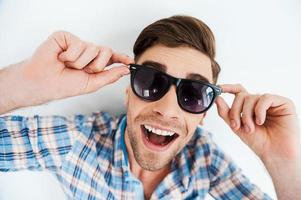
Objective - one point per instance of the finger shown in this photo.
(267, 101)
(74, 47)
(248, 113)
(101, 61)
(233, 88)
(85, 58)
(58, 41)
(98, 80)
(115, 58)
(236, 109)
(223, 109)
(121, 58)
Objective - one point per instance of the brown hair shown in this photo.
(179, 31)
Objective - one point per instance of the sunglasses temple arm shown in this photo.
(219, 90)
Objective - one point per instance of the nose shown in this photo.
(168, 106)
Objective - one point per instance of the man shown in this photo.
(156, 151)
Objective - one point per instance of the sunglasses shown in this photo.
(194, 96)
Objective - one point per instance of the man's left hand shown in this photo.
(267, 123)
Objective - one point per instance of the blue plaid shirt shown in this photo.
(88, 156)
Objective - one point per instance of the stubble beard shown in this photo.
(147, 160)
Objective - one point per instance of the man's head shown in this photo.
(183, 47)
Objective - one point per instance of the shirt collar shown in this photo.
(122, 141)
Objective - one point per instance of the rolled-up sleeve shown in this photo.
(38, 142)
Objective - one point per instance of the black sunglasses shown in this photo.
(193, 96)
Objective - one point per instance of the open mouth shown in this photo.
(157, 139)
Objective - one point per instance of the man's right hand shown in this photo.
(61, 67)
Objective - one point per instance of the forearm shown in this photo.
(286, 176)
(7, 102)
(15, 90)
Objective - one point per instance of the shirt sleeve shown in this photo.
(38, 142)
(227, 180)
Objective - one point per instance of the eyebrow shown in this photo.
(163, 68)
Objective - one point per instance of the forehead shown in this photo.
(180, 61)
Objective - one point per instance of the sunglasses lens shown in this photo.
(195, 97)
(150, 84)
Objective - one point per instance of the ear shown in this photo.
(202, 120)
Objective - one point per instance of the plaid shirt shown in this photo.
(88, 156)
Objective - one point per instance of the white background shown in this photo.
(258, 45)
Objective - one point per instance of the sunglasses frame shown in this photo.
(173, 81)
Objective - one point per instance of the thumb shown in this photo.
(98, 80)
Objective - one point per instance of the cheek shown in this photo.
(135, 105)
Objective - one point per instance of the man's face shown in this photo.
(146, 120)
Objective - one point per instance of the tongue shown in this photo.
(157, 139)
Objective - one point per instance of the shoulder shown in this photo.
(104, 128)
(104, 123)
(98, 127)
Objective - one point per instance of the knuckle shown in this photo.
(108, 49)
(256, 96)
(266, 96)
(58, 35)
(80, 44)
(59, 32)
(290, 103)
(249, 98)
(244, 118)
(241, 95)
(95, 50)
(233, 114)
(239, 85)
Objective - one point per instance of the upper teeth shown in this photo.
(158, 131)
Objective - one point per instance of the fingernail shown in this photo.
(258, 121)
(232, 123)
(247, 128)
